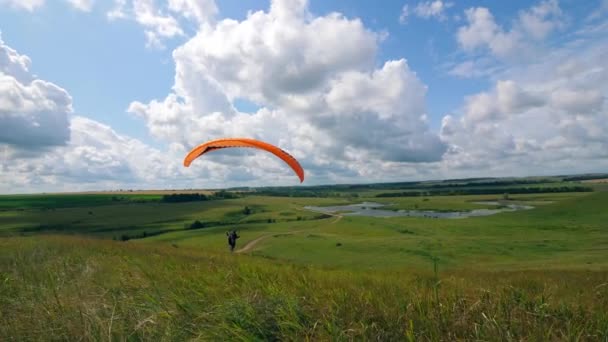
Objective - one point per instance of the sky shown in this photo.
(105, 95)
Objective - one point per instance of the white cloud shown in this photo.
(426, 10)
(546, 117)
(279, 53)
(83, 5)
(330, 107)
(162, 23)
(118, 11)
(532, 26)
(202, 11)
(436, 8)
(342, 114)
(405, 12)
(541, 19)
(43, 147)
(32, 5)
(28, 5)
(157, 24)
(508, 98)
(472, 68)
(95, 158)
(33, 113)
(482, 31)
(598, 12)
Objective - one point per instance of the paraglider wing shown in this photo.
(244, 142)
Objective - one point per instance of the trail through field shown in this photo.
(337, 216)
(251, 244)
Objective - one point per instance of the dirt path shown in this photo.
(251, 244)
(337, 216)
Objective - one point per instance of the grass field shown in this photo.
(563, 231)
(75, 288)
(539, 274)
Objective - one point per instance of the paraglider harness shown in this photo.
(232, 236)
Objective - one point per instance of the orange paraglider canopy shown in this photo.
(244, 142)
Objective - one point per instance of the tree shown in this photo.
(197, 224)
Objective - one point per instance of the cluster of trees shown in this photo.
(196, 225)
(486, 191)
(586, 177)
(489, 183)
(144, 234)
(175, 198)
(290, 192)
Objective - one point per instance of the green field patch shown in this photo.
(67, 201)
(56, 288)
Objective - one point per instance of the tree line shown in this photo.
(175, 198)
(486, 191)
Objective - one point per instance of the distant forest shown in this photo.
(486, 191)
(176, 198)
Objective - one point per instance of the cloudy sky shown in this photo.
(112, 94)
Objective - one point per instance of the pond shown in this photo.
(373, 209)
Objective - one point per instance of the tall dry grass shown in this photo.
(65, 288)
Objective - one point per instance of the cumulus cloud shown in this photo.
(429, 9)
(33, 112)
(96, 157)
(540, 20)
(329, 106)
(118, 11)
(201, 11)
(405, 13)
(28, 5)
(83, 5)
(543, 117)
(599, 12)
(31, 5)
(472, 68)
(157, 25)
(44, 147)
(508, 98)
(161, 23)
(426, 10)
(532, 26)
(271, 56)
(321, 95)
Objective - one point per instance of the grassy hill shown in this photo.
(538, 274)
(66, 288)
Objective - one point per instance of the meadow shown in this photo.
(95, 267)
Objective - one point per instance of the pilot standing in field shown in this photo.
(232, 236)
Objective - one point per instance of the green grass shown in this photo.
(113, 220)
(568, 233)
(61, 288)
(11, 202)
(468, 202)
(539, 274)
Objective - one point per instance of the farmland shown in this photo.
(135, 266)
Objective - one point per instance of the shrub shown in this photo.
(197, 224)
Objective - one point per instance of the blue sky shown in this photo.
(88, 55)
(472, 68)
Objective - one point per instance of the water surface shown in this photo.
(373, 209)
